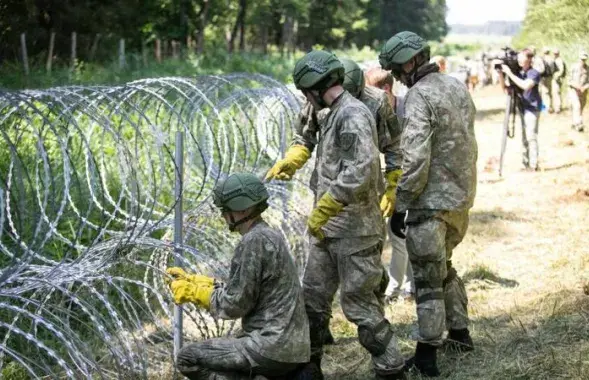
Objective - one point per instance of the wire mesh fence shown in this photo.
(87, 214)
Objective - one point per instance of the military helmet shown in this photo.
(353, 77)
(317, 70)
(400, 48)
(239, 192)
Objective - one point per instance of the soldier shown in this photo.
(578, 85)
(386, 126)
(263, 290)
(546, 81)
(346, 224)
(557, 78)
(437, 189)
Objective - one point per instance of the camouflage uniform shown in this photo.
(437, 189)
(387, 126)
(557, 83)
(347, 166)
(579, 77)
(264, 291)
(546, 83)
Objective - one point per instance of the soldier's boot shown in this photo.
(424, 361)
(459, 341)
(309, 371)
(327, 336)
(395, 376)
(317, 325)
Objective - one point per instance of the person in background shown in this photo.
(528, 82)
(557, 79)
(401, 275)
(546, 82)
(440, 61)
(578, 86)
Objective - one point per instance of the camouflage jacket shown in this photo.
(439, 146)
(560, 69)
(387, 126)
(264, 291)
(579, 75)
(346, 165)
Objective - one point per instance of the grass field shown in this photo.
(525, 260)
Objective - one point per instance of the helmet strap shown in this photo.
(257, 211)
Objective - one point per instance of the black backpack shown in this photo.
(549, 68)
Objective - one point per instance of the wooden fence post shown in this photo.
(50, 53)
(74, 47)
(122, 61)
(94, 47)
(23, 49)
(144, 53)
(158, 50)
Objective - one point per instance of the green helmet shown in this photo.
(318, 70)
(400, 48)
(239, 192)
(354, 77)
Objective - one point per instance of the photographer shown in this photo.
(526, 83)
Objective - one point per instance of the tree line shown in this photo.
(203, 25)
(561, 24)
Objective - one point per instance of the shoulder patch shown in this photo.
(348, 140)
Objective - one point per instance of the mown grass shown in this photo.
(524, 260)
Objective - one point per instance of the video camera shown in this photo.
(509, 58)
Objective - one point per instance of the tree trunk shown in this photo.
(239, 26)
(200, 44)
(243, 4)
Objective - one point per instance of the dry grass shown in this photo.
(525, 260)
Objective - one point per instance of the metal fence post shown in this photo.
(178, 224)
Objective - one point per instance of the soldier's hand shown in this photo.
(506, 69)
(294, 159)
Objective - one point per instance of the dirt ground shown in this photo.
(525, 261)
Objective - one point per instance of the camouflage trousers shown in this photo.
(440, 294)
(228, 359)
(557, 95)
(578, 100)
(363, 281)
(546, 92)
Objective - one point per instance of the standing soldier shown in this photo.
(263, 290)
(557, 78)
(546, 82)
(437, 189)
(578, 85)
(387, 129)
(346, 224)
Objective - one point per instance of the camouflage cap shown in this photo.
(400, 48)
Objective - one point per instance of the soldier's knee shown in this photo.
(186, 360)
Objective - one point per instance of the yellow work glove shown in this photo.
(294, 159)
(387, 202)
(326, 208)
(177, 273)
(185, 291)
